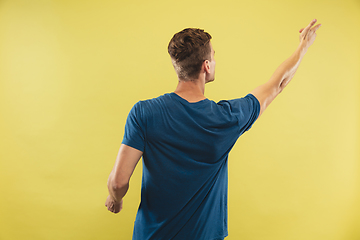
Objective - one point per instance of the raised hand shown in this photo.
(308, 34)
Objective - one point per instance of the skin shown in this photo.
(193, 91)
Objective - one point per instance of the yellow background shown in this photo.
(71, 70)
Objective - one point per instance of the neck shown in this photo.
(192, 91)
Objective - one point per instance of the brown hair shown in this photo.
(188, 50)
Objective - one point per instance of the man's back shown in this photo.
(185, 148)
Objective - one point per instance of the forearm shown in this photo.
(286, 71)
(118, 181)
(117, 191)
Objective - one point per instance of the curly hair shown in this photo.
(188, 50)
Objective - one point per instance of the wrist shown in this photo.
(302, 48)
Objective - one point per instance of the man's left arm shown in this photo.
(118, 182)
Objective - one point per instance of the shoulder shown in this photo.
(249, 99)
(154, 101)
(245, 106)
(143, 107)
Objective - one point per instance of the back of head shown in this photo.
(188, 49)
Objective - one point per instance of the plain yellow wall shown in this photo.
(71, 70)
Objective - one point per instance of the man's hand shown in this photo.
(112, 205)
(307, 36)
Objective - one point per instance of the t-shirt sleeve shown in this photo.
(245, 109)
(134, 135)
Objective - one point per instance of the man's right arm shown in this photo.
(267, 92)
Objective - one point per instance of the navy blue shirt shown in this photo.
(185, 150)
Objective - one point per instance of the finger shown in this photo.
(306, 30)
(111, 207)
(116, 210)
(301, 30)
(316, 27)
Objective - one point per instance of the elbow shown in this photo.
(285, 81)
(279, 90)
(276, 91)
(117, 185)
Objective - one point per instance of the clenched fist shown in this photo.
(112, 205)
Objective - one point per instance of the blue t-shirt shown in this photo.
(185, 150)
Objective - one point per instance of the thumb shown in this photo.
(301, 30)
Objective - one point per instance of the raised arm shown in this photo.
(267, 92)
(118, 182)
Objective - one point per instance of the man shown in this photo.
(184, 139)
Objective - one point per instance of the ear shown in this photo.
(206, 66)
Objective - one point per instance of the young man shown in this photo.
(185, 138)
